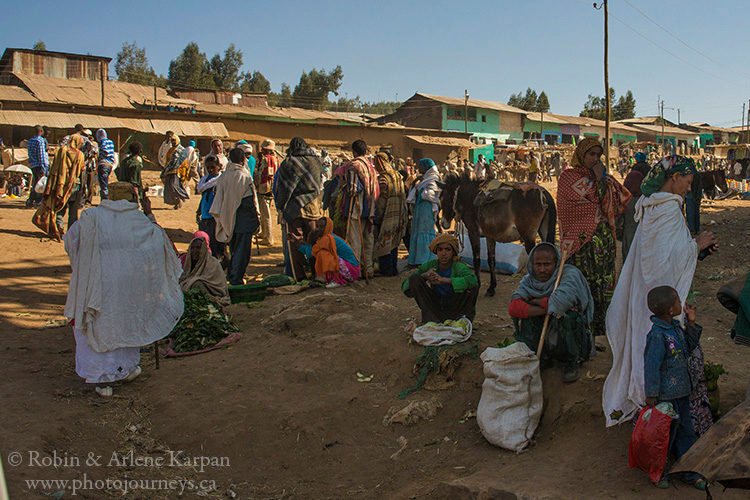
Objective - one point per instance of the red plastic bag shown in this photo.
(649, 444)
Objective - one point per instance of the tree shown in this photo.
(542, 103)
(132, 66)
(39, 46)
(314, 87)
(530, 101)
(226, 71)
(283, 98)
(255, 82)
(596, 107)
(625, 107)
(190, 70)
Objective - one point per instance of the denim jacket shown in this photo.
(668, 348)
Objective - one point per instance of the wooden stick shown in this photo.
(546, 318)
(289, 250)
(363, 259)
(156, 354)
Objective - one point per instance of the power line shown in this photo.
(670, 52)
(675, 36)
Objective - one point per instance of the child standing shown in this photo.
(668, 348)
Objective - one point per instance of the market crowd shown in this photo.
(344, 219)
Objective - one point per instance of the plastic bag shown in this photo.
(649, 444)
(447, 333)
(40, 185)
(511, 403)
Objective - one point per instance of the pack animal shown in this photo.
(713, 179)
(517, 212)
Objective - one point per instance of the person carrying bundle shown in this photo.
(571, 307)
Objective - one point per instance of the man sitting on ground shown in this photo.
(571, 307)
(444, 288)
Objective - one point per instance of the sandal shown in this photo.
(662, 484)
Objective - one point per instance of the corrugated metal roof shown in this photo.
(89, 92)
(475, 103)
(69, 120)
(57, 120)
(442, 141)
(12, 93)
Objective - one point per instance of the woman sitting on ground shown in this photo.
(444, 288)
(335, 261)
(201, 271)
(568, 338)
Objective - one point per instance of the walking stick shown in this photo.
(362, 247)
(289, 251)
(156, 354)
(546, 318)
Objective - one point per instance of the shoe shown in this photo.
(133, 375)
(103, 391)
(662, 484)
(570, 373)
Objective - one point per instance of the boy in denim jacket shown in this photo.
(668, 348)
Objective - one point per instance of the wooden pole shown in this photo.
(661, 113)
(154, 94)
(466, 111)
(606, 81)
(101, 78)
(541, 129)
(546, 318)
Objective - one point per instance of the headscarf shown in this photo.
(668, 166)
(640, 156)
(583, 147)
(204, 235)
(583, 202)
(425, 164)
(207, 272)
(191, 144)
(573, 289)
(445, 238)
(325, 254)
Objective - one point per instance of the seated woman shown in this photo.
(571, 307)
(202, 271)
(444, 288)
(335, 262)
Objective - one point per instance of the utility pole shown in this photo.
(661, 115)
(678, 117)
(154, 93)
(606, 79)
(101, 77)
(466, 110)
(742, 129)
(541, 128)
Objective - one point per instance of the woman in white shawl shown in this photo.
(425, 196)
(662, 253)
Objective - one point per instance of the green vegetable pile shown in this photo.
(201, 326)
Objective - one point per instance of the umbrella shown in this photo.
(722, 454)
(18, 168)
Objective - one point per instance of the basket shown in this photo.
(247, 293)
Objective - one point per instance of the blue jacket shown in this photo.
(668, 349)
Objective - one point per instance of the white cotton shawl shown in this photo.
(231, 186)
(427, 188)
(662, 253)
(124, 289)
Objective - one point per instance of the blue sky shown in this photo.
(391, 49)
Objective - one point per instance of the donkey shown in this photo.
(713, 179)
(521, 213)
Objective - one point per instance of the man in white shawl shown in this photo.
(124, 290)
(662, 253)
(235, 209)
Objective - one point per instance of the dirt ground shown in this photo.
(282, 414)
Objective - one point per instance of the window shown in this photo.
(484, 118)
(457, 113)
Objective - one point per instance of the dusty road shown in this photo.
(282, 415)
